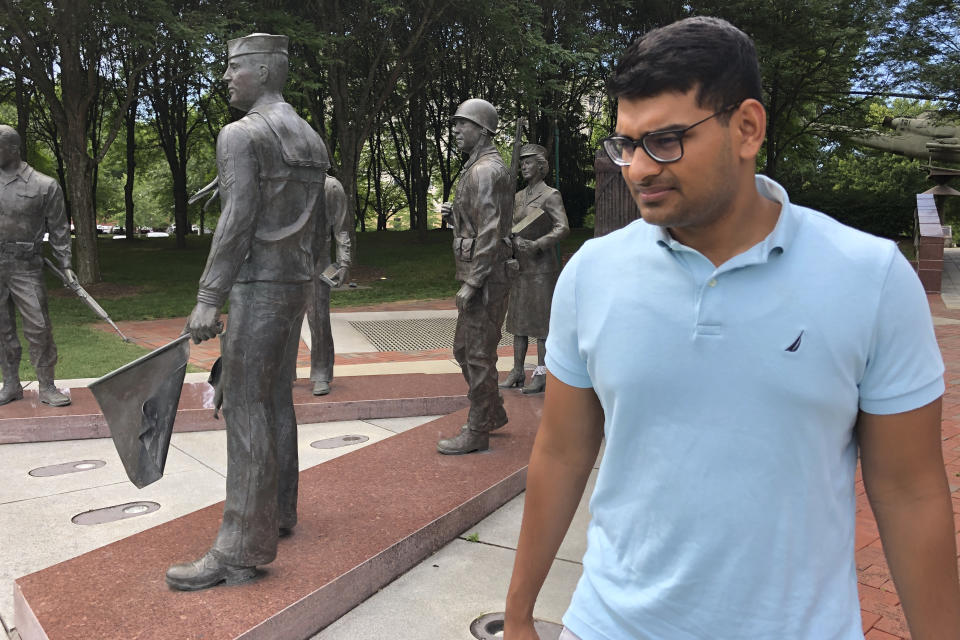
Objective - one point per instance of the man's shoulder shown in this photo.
(42, 180)
(489, 163)
(239, 132)
(333, 186)
(825, 237)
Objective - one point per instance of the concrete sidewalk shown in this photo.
(437, 599)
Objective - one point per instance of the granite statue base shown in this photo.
(365, 518)
(352, 398)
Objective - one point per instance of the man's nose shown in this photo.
(641, 167)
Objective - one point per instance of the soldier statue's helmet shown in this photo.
(531, 149)
(480, 112)
(257, 43)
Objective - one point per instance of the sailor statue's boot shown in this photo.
(321, 388)
(206, 572)
(49, 394)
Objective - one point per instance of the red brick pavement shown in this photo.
(880, 606)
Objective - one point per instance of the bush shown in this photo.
(880, 214)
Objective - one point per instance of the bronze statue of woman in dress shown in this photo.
(539, 223)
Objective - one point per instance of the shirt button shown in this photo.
(713, 282)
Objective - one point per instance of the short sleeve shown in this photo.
(904, 369)
(564, 358)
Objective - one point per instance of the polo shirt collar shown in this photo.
(778, 239)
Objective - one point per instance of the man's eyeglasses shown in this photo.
(662, 146)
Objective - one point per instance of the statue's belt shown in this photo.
(20, 247)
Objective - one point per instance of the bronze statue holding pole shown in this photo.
(31, 204)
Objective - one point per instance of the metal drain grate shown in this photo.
(417, 334)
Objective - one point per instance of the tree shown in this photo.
(65, 45)
(919, 50)
(176, 84)
(811, 54)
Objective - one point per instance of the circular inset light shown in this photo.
(66, 467)
(136, 509)
(116, 512)
(338, 441)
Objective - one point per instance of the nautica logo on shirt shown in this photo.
(796, 344)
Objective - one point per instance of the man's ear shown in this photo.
(750, 122)
(263, 73)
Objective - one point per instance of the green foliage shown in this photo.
(378, 77)
(864, 210)
(866, 189)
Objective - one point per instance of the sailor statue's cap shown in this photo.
(531, 149)
(257, 43)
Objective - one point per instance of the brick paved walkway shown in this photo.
(882, 617)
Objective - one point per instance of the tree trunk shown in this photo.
(131, 124)
(22, 99)
(419, 173)
(79, 168)
(180, 203)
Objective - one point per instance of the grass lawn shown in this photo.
(149, 279)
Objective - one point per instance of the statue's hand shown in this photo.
(464, 295)
(340, 276)
(524, 246)
(446, 212)
(203, 322)
(70, 276)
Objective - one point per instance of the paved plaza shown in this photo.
(439, 598)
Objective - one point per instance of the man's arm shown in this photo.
(903, 474)
(485, 211)
(340, 224)
(239, 203)
(565, 449)
(55, 220)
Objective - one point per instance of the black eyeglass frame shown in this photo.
(641, 142)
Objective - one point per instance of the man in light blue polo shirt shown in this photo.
(736, 351)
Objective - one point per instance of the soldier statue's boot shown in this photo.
(321, 388)
(49, 394)
(11, 390)
(466, 441)
(514, 379)
(11, 382)
(206, 572)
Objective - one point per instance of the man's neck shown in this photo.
(264, 100)
(483, 146)
(750, 219)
